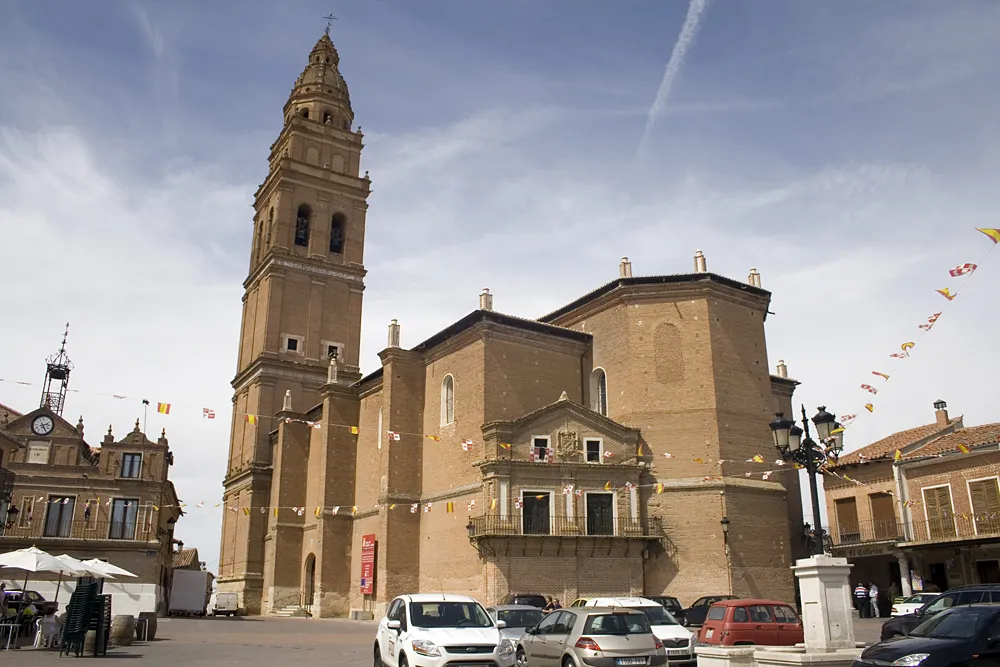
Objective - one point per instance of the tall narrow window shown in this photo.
(59, 516)
(447, 400)
(938, 509)
(124, 512)
(985, 497)
(302, 226)
(256, 241)
(270, 227)
(337, 233)
(594, 450)
(599, 391)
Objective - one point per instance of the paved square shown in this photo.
(209, 642)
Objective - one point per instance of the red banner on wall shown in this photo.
(367, 564)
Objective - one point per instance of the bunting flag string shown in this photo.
(964, 271)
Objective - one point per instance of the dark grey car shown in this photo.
(518, 617)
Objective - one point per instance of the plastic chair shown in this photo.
(47, 632)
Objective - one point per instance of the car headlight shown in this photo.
(424, 647)
(506, 647)
(911, 660)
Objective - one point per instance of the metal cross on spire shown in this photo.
(330, 18)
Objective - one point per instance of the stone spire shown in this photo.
(321, 90)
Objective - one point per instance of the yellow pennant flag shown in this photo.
(450, 508)
(156, 508)
(640, 452)
(659, 488)
(251, 419)
(318, 512)
(392, 506)
(898, 456)
(869, 407)
(493, 504)
(607, 486)
(994, 234)
(275, 512)
(504, 445)
(163, 408)
(963, 449)
(946, 293)
(435, 438)
(354, 510)
(757, 458)
(246, 510)
(354, 430)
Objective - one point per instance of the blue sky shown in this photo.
(845, 149)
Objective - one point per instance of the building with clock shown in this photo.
(111, 500)
(606, 448)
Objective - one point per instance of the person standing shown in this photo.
(861, 599)
(873, 599)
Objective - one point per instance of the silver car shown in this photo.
(591, 637)
(518, 617)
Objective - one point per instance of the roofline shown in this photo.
(480, 316)
(783, 380)
(653, 280)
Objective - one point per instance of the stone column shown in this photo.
(904, 573)
(826, 603)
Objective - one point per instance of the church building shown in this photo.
(604, 449)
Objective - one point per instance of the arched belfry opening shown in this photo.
(302, 226)
(337, 225)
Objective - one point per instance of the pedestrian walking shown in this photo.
(873, 599)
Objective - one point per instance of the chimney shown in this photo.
(287, 405)
(625, 268)
(700, 266)
(941, 413)
(394, 334)
(754, 278)
(782, 369)
(486, 300)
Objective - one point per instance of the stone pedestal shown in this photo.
(725, 656)
(826, 603)
(775, 658)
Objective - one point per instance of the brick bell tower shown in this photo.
(302, 300)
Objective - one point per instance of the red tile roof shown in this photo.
(886, 447)
(972, 437)
(186, 559)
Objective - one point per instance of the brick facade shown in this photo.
(686, 370)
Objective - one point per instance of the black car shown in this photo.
(962, 595)
(959, 636)
(695, 614)
(671, 604)
(529, 599)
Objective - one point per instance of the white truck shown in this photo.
(225, 604)
(189, 593)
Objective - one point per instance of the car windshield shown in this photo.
(616, 624)
(964, 623)
(449, 615)
(530, 600)
(657, 615)
(920, 598)
(520, 618)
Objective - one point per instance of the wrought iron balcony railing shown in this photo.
(494, 525)
(38, 529)
(922, 530)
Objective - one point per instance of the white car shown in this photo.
(912, 603)
(433, 630)
(677, 640)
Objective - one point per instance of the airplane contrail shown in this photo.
(689, 31)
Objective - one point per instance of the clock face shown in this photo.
(42, 425)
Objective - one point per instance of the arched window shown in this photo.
(327, 118)
(337, 233)
(270, 227)
(599, 391)
(305, 113)
(302, 226)
(447, 400)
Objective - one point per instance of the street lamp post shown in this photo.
(792, 447)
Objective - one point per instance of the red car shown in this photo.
(751, 622)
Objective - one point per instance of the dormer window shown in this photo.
(131, 466)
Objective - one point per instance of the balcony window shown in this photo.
(540, 449)
(131, 466)
(938, 511)
(985, 497)
(59, 516)
(123, 518)
(884, 524)
(536, 512)
(600, 513)
(848, 528)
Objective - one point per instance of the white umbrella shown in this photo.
(89, 568)
(34, 560)
(109, 568)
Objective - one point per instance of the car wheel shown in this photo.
(568, 662)
(378, 657)
(403, 662)
(521, 660)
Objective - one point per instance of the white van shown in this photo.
(678, 640)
